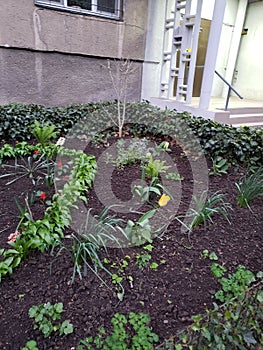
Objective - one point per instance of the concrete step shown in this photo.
(252, 116)
(239, 116)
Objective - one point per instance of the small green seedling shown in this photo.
(205, 254)
(154, 266)
(30, 345)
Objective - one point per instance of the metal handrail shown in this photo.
(230, 87)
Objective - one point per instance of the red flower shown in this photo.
(36, 151)
(60, 163)
(43, 196)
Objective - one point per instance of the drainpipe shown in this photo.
(211, 53)
(235, 42)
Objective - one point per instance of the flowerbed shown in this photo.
(168, 277)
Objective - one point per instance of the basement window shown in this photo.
(103, 8)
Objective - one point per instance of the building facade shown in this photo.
(56, 52)
(203, 43)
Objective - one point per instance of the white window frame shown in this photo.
(63, 5)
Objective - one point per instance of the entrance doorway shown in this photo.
(201, 53)
(200, 59)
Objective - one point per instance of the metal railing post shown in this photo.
(227, 98)
(230, 87)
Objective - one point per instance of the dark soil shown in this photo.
(181, 287)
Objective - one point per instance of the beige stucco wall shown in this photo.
(24, 25)
(57, 58)
(55, 79)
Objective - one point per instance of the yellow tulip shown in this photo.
(164, 199)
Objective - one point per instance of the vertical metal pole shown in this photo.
(227, 98)
(184, 46)
(191, 72)
(211, 53)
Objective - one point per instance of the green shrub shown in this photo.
(235, 325)
(242, 145)
(16, 119)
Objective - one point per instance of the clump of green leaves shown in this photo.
(97, 231)
(43, 133)
(206, 208)
(174, 177)
(250, 187)
(132, 333)
(149, 192)
(140, 231)
(154, 167)
(210, 255)
(34, 169)
(143, 259)
(46, 317)
(219, 166)
(30, 345)
(236, 324)
(130, 152)
(234, 284)
(238, 145)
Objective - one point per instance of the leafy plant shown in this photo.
(116, 279)
(163, 147)
(140, 231)
(130, 152)
(30, 345)
(25, 211)
(148, 193)
(143, 259)
(174, 177)
(43, 133)
(148, 247)
(35, 170)
(234, 284)
(85, 254)
(100, 139)
(132, 333)
(219, 166)
(17, 119)
(98, 231)
(212, 255)
(154, 266)
(45, 316)
(236, 324)
(206, 208)
(154, 167)
(218, 270)
(250, 187)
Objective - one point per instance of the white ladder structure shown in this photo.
(181, 33)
